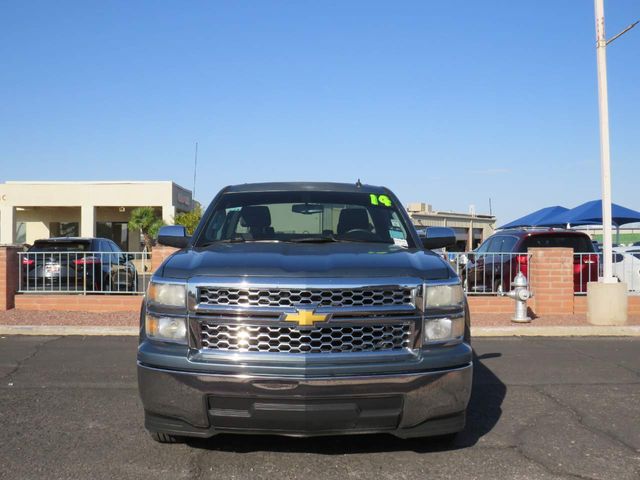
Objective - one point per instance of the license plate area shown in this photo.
(51, 269)
(305, 415)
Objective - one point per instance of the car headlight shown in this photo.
(448, 327)
(444, 296)
(443, 329)
(169, 294)
(167, 329)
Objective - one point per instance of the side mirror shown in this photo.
(173, 236)
(437, 237)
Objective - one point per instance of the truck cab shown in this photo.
(304, 309)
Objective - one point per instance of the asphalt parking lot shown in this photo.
(541, 408)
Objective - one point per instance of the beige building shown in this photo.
(33, 210)
(471, 228)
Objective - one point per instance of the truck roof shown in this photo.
(304, 186)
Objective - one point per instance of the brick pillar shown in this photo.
(159, 254)
(551, 280)
(8, 276)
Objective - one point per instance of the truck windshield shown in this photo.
(300, 216)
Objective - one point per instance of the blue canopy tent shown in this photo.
(537, 218)
(590, 213)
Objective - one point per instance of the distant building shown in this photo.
(33, 210)
(471, 228)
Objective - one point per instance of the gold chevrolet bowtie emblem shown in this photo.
(305, 318)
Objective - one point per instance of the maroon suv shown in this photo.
(494, 264)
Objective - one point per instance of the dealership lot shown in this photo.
(541, 408)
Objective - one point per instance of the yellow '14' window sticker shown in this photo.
(380, 200)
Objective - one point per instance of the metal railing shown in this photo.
(587, 267)
(626, 268)
(84, 272)
(488, 273)
(492, 273)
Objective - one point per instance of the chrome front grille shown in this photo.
(292, 297)
(317, 339)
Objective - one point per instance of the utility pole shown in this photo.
(605, 151)
(605, 160)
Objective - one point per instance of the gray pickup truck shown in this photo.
(304, 309)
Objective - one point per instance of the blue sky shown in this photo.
(449, 103)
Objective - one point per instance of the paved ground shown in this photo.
(541, 408)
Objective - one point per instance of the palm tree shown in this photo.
(146, 220)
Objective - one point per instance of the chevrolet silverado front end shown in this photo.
(304, 309)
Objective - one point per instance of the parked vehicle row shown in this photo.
(99, 265)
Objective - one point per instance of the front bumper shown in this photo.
(404, 404)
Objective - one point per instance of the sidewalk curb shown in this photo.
(67, 330)
(507, 331)
(557, 331)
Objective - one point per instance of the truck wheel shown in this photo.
(165, 437)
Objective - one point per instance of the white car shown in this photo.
(626, 266)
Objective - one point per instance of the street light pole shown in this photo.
(605, 160)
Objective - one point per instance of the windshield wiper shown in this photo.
(318, 239)
(331, 239)
(225, 240)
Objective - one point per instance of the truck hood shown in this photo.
(308, 260)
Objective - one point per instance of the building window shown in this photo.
(21, 232)
(64, 229)
(116, 231)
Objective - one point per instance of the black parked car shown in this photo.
(77, 264)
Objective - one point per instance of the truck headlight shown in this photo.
(169, 294)
(444, 296)
(166, 329)
(450, 326)
(443, 329)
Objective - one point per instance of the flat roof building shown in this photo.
(471, 228)
(34, 210)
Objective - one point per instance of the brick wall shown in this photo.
(490, 304)
(634, 305)
(8, 276)
(159, 254)
(551, 280)
(79, 303)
